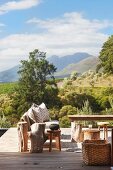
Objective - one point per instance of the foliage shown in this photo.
(73, 100)
(5, 105)
(86, 109)
(111, 101)
(76, 99)
(106, 57)
(37, 83)
(73, 75)
(7, 88)
(54, 113)
(67, 110)
(65, 122)
(4, 123)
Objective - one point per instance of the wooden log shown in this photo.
(76, 132)
(22, 136)
(91, 134)
(37, 137)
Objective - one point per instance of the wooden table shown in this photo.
(90, 117)
(74, 118)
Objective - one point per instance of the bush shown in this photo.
(65, 122)
(4, 123)
(67, 110)
(54, 113)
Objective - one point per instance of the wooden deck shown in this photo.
(11, 159)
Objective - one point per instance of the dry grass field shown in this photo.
(89, 81)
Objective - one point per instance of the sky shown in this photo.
(57, 27)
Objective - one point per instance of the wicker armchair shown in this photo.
(96, 152)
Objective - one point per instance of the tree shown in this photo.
(36, 83)
(106, 57)
(73, 75)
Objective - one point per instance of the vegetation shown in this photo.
(106, 56)
(7, 88)
(78, 94)
(36, 83)
(4, 123)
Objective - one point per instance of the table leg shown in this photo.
(72, 131)
(58, 143)
(50, 145)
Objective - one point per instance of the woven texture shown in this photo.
(96, 152)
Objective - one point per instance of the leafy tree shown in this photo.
(106, 57)
(37, 83)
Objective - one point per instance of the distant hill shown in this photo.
(9, 75)
(89, 63)
(79, 62)
(62, 62)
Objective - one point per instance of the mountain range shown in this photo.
(79, 62)
(62, 62)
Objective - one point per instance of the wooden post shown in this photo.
(76, 132)
(37, 137)
(112, 147)
(23, 137)
(72, 131)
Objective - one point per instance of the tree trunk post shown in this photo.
(22, 136)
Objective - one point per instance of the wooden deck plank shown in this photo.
(45, 161)
(9, 141)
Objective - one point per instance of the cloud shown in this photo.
(14, 5)
(2, 25)
(72, 33)
(67, 34)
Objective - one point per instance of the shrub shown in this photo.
(4, 123)
(64, 122)
(67, 110)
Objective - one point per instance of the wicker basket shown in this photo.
(96, 152)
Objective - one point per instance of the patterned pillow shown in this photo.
(44, 112)
(31, 114)
(37, 114)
